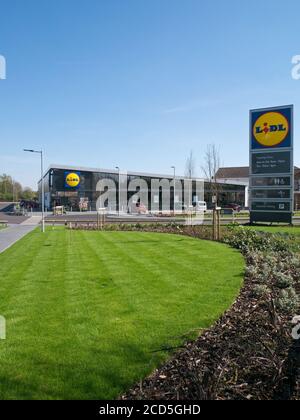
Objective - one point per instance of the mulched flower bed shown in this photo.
(249, 354)
(243, 356)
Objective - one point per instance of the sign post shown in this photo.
(271, 165)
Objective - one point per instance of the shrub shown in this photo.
(247, 240)
(288, 301)
(283, 281)
(263, 277)
(252, 272)
(261, 290)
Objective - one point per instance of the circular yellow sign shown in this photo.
(72, 180)
(271, 129)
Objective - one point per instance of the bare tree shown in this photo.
(190, 166)
(210, 168)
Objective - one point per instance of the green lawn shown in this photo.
(89, 312)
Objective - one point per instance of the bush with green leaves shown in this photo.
(252, 272)
(272, 266)
(282, 280)
(261, 290)
(248, 240)
(288, 301)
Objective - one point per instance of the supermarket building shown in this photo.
(77, 188)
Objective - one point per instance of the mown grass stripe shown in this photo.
(87, 309)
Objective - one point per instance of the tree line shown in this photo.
(11, 190)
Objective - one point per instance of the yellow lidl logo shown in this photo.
(271, 129)
(72, 180)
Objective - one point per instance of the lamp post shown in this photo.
(40, 152)
(13, 190)
(174, 169)
(119, 195)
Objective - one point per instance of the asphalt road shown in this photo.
(92, 218)
(6, 215)
(6, 206)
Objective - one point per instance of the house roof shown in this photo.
(237, 172)
(240, 172)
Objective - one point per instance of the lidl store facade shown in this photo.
(77, 188)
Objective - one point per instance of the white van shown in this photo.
(201, 206)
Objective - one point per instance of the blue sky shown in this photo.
(139, 83)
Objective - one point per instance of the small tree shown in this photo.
(210, 168)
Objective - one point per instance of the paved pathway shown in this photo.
(13, 233)
(32, 221)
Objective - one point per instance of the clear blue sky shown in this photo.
(138, 83)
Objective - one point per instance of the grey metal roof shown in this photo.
(112, 171)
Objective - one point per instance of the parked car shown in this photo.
(233, 206)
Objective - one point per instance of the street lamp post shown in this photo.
(13, 190)
(119, 195)
(174, 169)
(42, 181)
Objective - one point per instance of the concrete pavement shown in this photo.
(14, 233)
(32, 221)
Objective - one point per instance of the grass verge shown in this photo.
(90, 313)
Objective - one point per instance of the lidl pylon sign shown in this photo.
(271, 164)
(271, 128)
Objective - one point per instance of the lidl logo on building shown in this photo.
(72, 179)
(271, 128)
